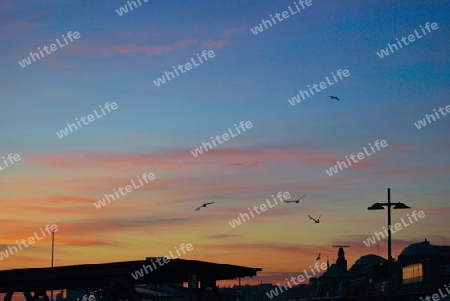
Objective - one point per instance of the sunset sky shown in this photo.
(154, 129)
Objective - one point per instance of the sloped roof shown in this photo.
(445, 250)
(421, 248)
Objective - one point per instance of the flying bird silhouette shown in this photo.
(333, 97)
(318, 257)
(316, 220)
(296, 201)
(204, 205)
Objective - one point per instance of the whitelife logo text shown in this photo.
(27, 61)
(236, 222)
(48, 228)
(360, 156)
(124, 9)
(198, 151)
(423, 123)
(187, 66)
(274, 292)
(90, 118)
(284, 15)
(109, 197)
(411, 38)
(10, 158)
(397, 226)
(323, 85)
(146, 268)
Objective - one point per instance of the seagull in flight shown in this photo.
(204, 205)
(318, 257)
(296, 201)
(333, 97)
(316, 220)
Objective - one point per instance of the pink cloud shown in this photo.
(58, 161)
(149, 50)
(164, 48)
(105, 51)
(76, 48)
(247, 165)
(126, 48)
(20, 25)
(179, 159)
(184, 43)
(402, 147)
(227, 33)
(212, 44)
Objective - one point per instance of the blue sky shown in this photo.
(250, 78)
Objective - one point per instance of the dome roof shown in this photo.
(421, 248)
(370, 259)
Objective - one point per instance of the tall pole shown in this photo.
(389, 245)
(380, 206)
(53, 250)
(53, 245)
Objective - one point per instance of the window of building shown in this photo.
(412, 273)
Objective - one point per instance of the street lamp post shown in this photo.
(53, 244)
(380, 206)
(53, 250)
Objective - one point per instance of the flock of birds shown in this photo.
(317, 221)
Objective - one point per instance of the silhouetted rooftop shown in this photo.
(370, 259)
(421, 248)
(87, 275)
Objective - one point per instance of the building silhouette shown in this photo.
(420, 270)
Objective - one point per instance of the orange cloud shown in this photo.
(69, 200)
(286, 249)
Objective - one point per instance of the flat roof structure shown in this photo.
(117, 277)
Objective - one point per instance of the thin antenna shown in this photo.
(378, 246)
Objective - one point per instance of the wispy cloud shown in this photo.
(149, 50)
(178, 159)
(403, 147)
(20, 24)
(228, 32)
(222, 236)
(212, 44)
